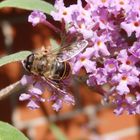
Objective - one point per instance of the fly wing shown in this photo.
(63, 53)
(66, 53)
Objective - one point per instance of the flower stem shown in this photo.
(51, 26)
(13, 88)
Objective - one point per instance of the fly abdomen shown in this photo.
(60, 70)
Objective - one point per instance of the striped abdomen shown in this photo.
(59, 70)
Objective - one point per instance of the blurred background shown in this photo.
(87, 120)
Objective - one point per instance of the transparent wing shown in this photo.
(66, 53)
(63, 53)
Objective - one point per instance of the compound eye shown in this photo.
(28, 62)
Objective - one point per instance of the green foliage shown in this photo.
(28, 5)
(14, 57)
(54, 44)
(8, 132)
(57, 132)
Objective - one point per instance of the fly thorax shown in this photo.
(41, 65)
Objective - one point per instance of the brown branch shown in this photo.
(11, 89)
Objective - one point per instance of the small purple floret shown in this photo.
(37, 17)
(36, 90)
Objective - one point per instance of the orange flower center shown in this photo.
(128, 62)
(99, 43)
(65, 13)
(111, 65)
(121, 3)
(124, 78)
(82, 59)
(136, 24)
(103, 1)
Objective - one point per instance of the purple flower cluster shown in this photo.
(37, 87)
(112, 29)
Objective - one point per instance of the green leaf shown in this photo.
(57, 132)
(8, 132)
(54, 44)
(14, 57)
(28, 5)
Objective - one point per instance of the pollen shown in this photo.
(121, 3)
(124, 105)
(111, 65)
(103, 1)
(136, 24)
(65, 13)
(81, 26)
(128, 62)
(124, 78)
(99, 43)
(82, 59)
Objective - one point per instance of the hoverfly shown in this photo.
(53, 66)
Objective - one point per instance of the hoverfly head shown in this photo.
(28, 62)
